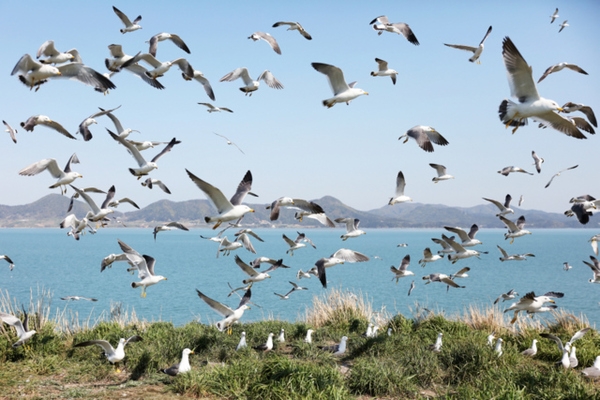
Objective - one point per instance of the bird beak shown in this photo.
(405, 140)
(192, 352)
(252, 210)
(552, 301)
(560, 109)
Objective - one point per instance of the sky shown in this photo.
(293, 145)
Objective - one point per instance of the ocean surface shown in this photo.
(48, 259)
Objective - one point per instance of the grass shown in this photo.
(396, 366)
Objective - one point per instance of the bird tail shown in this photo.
(135, 284)
(207, 219)
(132, 171)
(505, 113)
(372, 73)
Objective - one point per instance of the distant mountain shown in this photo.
(51, 209)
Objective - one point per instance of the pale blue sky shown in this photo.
(293, 145)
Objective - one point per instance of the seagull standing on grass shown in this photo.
(268, 346)
(437, 346)
(336, 349)
(182, 367)
(532, 351)
(242, 343)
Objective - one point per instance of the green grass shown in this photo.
(396, 366)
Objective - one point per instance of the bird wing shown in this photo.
(487, 33)
(86, 75)
(242, 190)
(178, 226)
(350, 256)
(560, 123)
(141, 72)
(400, 184)
(246, 298)
(109, 197)
(215, 305)
(520, 79)
(405, 263)
(450, 282)
(276, 264)
(134, 338)
(11, 131)
(436, 137)
(167, 149)
(246, 242)
(132, 149)
(383, 65)
(509, 224)
(461, 233)
(87, 199)
(504, 253)
(270, 80)
(275, 210)
(269, 39)
(179, 42)
(57, 127)
(289, 241)
(122, 16)
(108, 349)
(456, 246)
(405, 30)
(334, 75)
(462, 47)
(207, 88)
(554, 338)
(214, 194)
(495, 202)
(440, 169)
(49, 164)
(245, 267)
(237, 73)
(13, 321)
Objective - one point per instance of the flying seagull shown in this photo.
(297, 243)
(250, 84)
(149, 183)
(84, 125)
(231, 316)
(145, 266)
(339, 257)
(537, 161)
(511, 294)
(297, 204)
(267, 38)
(402, 270)
(182, 367)
(563, 26)
(560, 67)
(595, 267)
(424, 136)
(75, 298)
(342, 92)
(64, 177)
(54, 56)
(399, 196)
(442, 175)
(507, 170)
(168, 227)
(503, 207)
(429, 257)
(351, 227)
(229, 142)
(45, 121)
(200, 78)
(570, 107)
(467, 239)
(515, 230)
(530, 104)
(160, 67)
(12, 132)
(382, 23)
(159, 37)
(114, 356)
(212, 109)
(475, 50)
(383, 70)
(554, 16)
(117, 63)
(513, 257)
(11, 264)
(22, 329)
(558, 174)
(532, 303)
(129, 26)
(294, 26)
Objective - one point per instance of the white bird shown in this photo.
(114, 356)
(168, 227)
(507, 170)
(297, 204)
(212, 109)
(144, 167)
(250, 84)
(560, 67)
(54, 56)
(267, 38)
(515, 230)
(511, 294)
(570, 107)
(320, 217)
(182, 367)
(383, 70)
(342, 92)
(297, 243)
(308, 338)
(459, 251)
(76, 298)
(429, 257)
(554, 16)
(11, 131)
(573, 357)
(532, 303)
(441, 172)
(77, 225)
(594, 243)
(33, 73)
(595, 266)
(467, 239)
(498, 348)
(593, 371)
(226, 246)
(231, 316)
(564, 349)
(301, 274)
(294, 26)
(410, 289)
(145, 266)
(264, 347)
(442, 278)
(566, 266)
(64, 177)
(281, 337)
(11, 264)
(437, 346)
(336, 349)
(97, 213)
(242, 343)
(490, 339)
(159, 67)
(461, 273)
(119, 58)
(351, 227)
(129, 26)
(382, 23)
(399, 196)
(159, 37)
(475, 50)
(532, 351)
(504, 208)
(424, 136)
(199, 77)
(530, 104)
(45, 121)
(149, 183)
(229, 142)
(254, 275)
(260, 260)
(513, 257)
(446, 248)
(563, 26)
(21, 328)
(145, 144)
(558, 174)
(520, 201)
(402, 270)
(339, 257)
(85, 124)
(537, 161)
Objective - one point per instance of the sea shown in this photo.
(47, 260)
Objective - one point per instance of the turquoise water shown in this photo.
(48, 258)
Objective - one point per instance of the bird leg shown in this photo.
(144, 292)
(219, 222)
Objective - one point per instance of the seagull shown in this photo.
(336, 349)
(565, 360)
(381, 24)
(594, 243)
(22, 329)
(351, 227)
(297, 204)
(254, 275)
(11, 264)
(383, 70)
(446, 248)
(168, 227)
(459, 251)
(159, 37)
(513, 257)
(461, 273)
(399, 195)
(437, 346)
(145, 145)
(339, 257)
(182, 367)
(84, 125)
(294, 288)
(46, 121)
(12, 132)
(200, 78)
(515, 230)
(573, 357)
(587, 110)
(532, 351)
(342, 92)
(252, 85)
(212, 109)
(467, 239)
(566, 266)
(301, 274)
(498, 348)
(77, 225)
(490, 339)
(475, 50)
(97, 213)
(442, 278)
(116, 64)
(114, 356)
(231, 316)
(308, 338)
(242, 344)
(511, 294)
(429, 257)
(530, 104)
(594, 370)
(558, 174)
(160, 68)
(74, 298)
(145, 167)
(267, 38)
(402, 271)
(54, 56)
(260, 260)
(595, 266)
(296, 244)
(563, 26)
(145, 266)
(294, 26)
(537, 161)
(507, 170)
(268, 346)
(554, 16)
(504, 208)
(33, 73)
(121, 132)
(532, 303)
(226, 246)
(149, 183)
(410, 289)
(520, 201)
(129, 255)
(281, 337)
(424, 135)
(441, 172)
(320, 217)
(129, 26)
(229, 142)
(64, 177)
(560, 67)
